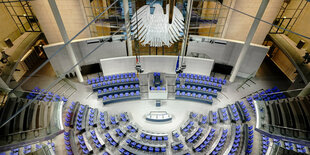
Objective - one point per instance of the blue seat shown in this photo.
(163, 149)
(138, 146)
(148, 137)
(151, 149)
(175, 147)
(153, 138)
(144, 148)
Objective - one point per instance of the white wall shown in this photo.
(239, 24)
(61, 62)
(72, 14)
(225, 54)
(158, 63)
(228, 54)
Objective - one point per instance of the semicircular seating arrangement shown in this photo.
(95, 131)
(227, 129)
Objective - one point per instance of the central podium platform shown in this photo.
(158, 116)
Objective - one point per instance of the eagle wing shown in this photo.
(140, 21)
(177, 24)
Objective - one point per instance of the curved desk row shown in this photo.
(193, 97)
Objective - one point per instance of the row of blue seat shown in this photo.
(119, 132)
(95, 139)
(153, 137)
(158, 88)
(188, 127)
(139, 146)
(264, 95)
(265, 144)
(121, 97)
(69, 114)
(111, 140)
(250, 140)
(124, 117)
(214, 118)
(132, 129)
(195, 137)
(206, 141)
(111, 77)
(91, 117)
(177, 146)
(245, 111)
(67, 143)
(203, 84)
(156, 74)
(117, 89)
(27, 149)
(125, 152)
(288, 145)
(52, 144)
(175, 134)
(221, 142)
(45, 96)
(202, 77)
(113, 83)
(203, 119)
(114, 120)
(236, 143)
(300, 148)
(194, 96)
(14, 151)
(235, 112)
(193, 88)
(276, 142)
(80, 117)
(103, 124)
(224, 114)
(83, 145)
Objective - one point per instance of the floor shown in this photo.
(179, 109)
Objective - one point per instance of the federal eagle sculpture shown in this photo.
(154, 29)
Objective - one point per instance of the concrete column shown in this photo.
(65, 37)
(186, 26)
(228, 18)
(127, 27)
(249, 38)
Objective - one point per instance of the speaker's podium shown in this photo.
(157, 89)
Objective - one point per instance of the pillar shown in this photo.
(249, 38)
(127, 27)
(65, 37)
(186, 27)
